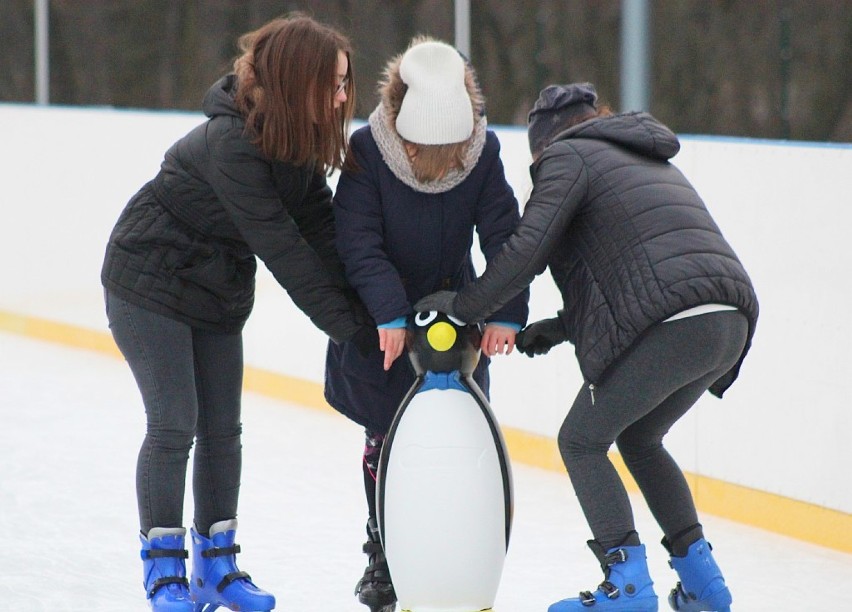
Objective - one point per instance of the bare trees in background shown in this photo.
(774, 68)
(759, 68)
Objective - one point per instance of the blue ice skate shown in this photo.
(216, 581)
(702, 587)
(164, 570)
(627, 586)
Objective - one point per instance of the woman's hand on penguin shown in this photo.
(539, 337)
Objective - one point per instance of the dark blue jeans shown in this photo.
(641, 396)
(191, 385)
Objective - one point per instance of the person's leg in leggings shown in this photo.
(372, 450)
(655, 471)
(217, 463)
(658, 476)
(669, 357)
(596, 483)
(375, 588)
(159, 352)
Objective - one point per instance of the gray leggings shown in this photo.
(642, 395)
(191, 385)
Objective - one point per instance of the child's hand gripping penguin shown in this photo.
(444, 494)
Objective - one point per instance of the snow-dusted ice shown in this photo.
(71, 427)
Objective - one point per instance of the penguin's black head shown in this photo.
(439, 343)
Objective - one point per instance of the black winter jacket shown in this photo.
(628, 241)
(185, 244)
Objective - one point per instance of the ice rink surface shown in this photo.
(72, 425)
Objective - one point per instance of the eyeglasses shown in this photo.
(341, 87)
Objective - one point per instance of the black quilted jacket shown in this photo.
(185, 244)
(628, 241)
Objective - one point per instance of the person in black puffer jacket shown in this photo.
(179, 277)
(659, 309)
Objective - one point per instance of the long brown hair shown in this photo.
(286, 82)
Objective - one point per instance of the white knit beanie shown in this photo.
(436, 108)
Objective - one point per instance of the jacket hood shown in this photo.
(637, 131)
(382, 123)
(219, 99)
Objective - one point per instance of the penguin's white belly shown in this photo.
(444, 503)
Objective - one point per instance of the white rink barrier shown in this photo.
(773, 453)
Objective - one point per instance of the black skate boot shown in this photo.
(375, 589)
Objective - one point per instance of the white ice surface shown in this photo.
(72, 422)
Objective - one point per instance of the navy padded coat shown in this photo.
(398, 245)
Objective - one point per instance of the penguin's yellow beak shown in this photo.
(441, 336)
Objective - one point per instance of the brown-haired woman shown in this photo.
(179, 285)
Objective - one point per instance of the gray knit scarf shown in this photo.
(393, 152)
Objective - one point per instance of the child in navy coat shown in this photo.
(429, 174)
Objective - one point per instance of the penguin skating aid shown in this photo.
(444, 494)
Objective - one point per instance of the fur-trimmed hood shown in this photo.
(382, 122)
(392, 89)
